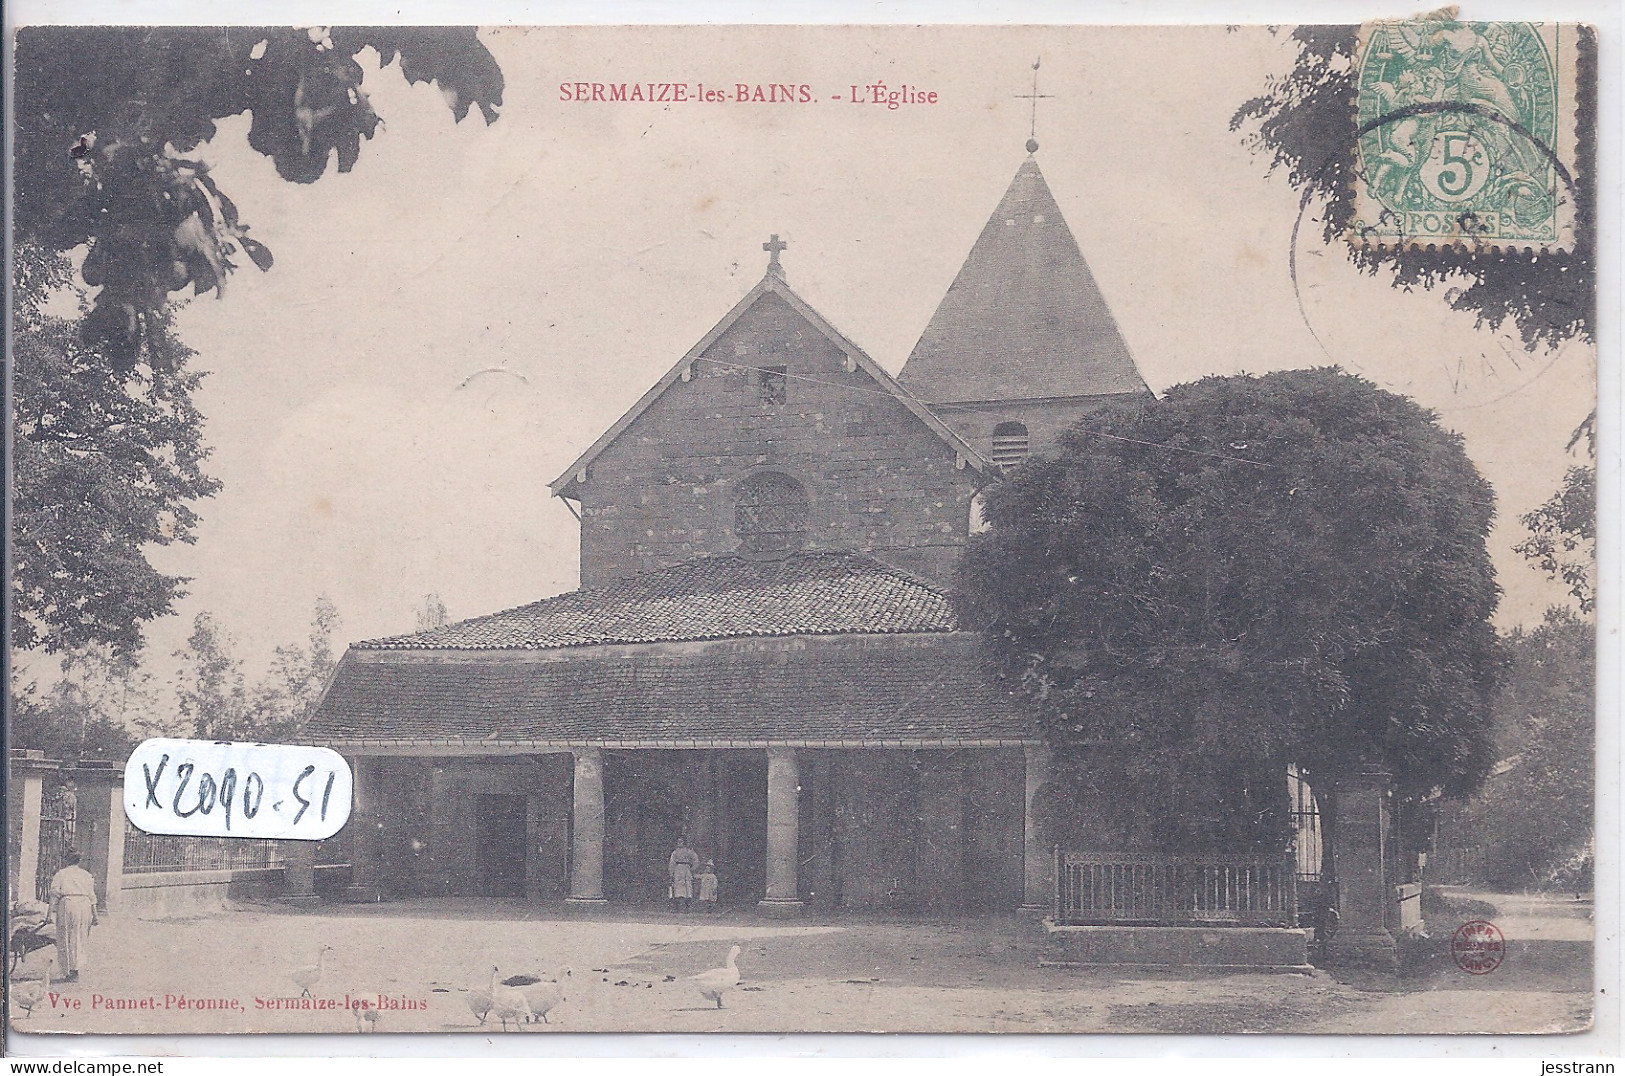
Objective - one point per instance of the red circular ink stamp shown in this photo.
(1478, 947)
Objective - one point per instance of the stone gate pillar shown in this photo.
(587, 829)
(783, 831)
(28, 769)
(1039, 861)
(298, 872)
(1361, 828)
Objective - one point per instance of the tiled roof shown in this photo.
(896, 688)
(1024, 319)
(708, 598)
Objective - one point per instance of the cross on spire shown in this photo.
(1035, 97)
(773, 246)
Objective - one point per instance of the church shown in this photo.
(763, 655)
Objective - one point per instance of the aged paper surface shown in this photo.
(594, 474)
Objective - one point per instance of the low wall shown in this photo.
(163, 894)
(1216, 947)
(167, 894)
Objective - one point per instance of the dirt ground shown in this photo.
(628, 973)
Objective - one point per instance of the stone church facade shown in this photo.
(763, 655)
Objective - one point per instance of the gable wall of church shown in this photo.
(878, 480)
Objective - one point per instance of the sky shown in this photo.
(447, 327)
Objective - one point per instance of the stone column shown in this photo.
(27, 772)
(783, 831)
(298, 872)
(1360, 830)
(367, 820)
(1039, 862)
(587, 829)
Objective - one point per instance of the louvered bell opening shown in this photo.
(1009, 445)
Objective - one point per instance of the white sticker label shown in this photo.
(207, 788)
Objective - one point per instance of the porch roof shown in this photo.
(846, 691)
(829, 593)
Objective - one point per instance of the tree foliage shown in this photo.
(95, 708)
(1250, 572)
(108, 444)
(107, 460)
(1536, 815)
(210, 692)
(214, 701)
(106, 115)
(1562, 538)
(1304, 123)
(297, 678)
(431, 613)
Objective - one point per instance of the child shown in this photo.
(708, 887)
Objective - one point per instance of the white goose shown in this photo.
(479, 1002)
(28, 993)
(715, 983)
(507, 1002)
(545, 996)
(307, 977)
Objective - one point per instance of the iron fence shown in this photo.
(1304, 813)
(1129, 888)
(149, 853)
(58, 825)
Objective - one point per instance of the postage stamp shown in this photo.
(1465, 134)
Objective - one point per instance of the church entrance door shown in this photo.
(499, 852)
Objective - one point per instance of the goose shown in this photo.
(28, 993)
(307, 977)
(507, 1002)
(479, 1002)
(544, 996)
(715, 983)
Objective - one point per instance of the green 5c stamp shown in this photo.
(1466, 134)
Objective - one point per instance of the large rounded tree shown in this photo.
(1249, 573)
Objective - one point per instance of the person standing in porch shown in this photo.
(73, 904)
(682, 864)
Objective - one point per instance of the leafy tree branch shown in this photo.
(1304, 125)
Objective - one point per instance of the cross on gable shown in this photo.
(1034, 97)
(773, 246)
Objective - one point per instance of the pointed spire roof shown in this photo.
(1024, 319)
